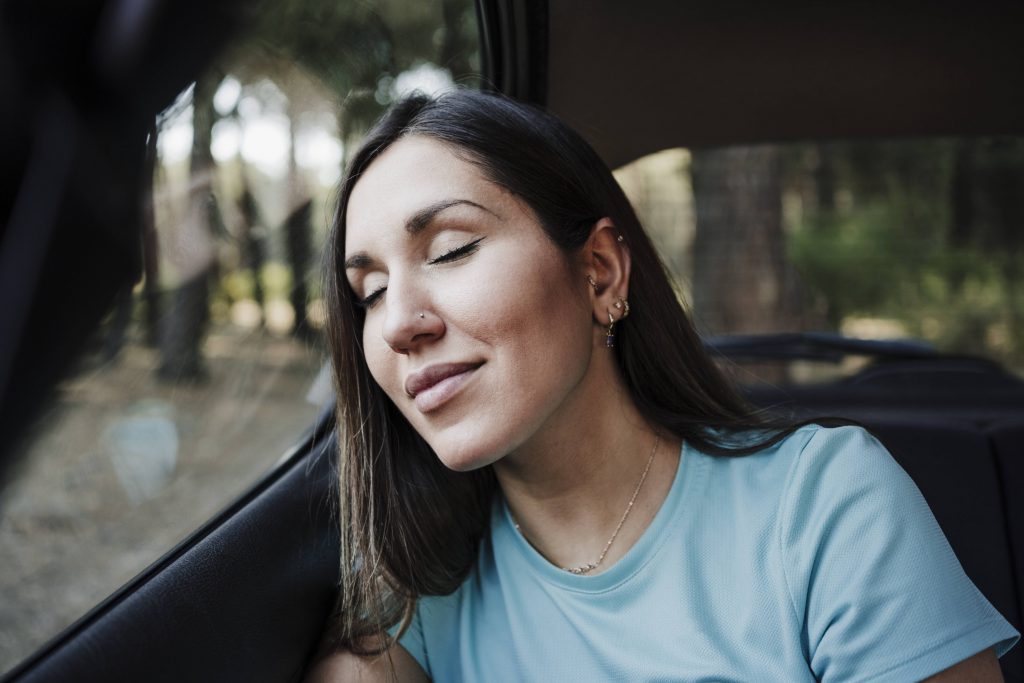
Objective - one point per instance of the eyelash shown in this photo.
(457, 253)
(447, 257)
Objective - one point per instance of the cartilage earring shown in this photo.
(622, 305)
(590, 279)
(619, 238)
(609, 335)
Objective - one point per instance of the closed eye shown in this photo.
(457, 253)
(371, 298)
(454, 255)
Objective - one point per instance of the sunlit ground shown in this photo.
(122, 467)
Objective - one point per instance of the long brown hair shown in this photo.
(409, 525)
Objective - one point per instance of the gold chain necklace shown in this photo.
(587, 568)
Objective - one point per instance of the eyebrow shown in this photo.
(416, 224)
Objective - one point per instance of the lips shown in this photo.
(435, 384)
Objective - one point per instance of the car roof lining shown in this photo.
(732, 72)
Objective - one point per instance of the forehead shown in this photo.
(412, 173)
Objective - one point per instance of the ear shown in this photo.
(607, 261)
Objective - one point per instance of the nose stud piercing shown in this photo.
(423, 315)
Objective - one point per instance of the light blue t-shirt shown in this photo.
(816, 559)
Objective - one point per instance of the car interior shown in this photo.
(247, 595)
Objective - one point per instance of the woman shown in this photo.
(543, 475)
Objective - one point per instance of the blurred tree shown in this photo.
(358, 49)
(928, 234)
(348, 46)
(458, 45)
(997, 223)
(825, 179)
(741, 283)
(298, 240)
(150, 255)
(961, 196)
(186, 322)
(253, 244)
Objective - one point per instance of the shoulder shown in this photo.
(849, 445)
(811, 440)
(843, 471)
(813, 447)
(842, 485)
(831, 455)
(808, 479)
(810, 460)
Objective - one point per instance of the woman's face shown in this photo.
(477, 326)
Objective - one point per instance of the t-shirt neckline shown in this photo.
(642, 551)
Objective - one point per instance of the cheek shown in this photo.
(380, 359)
(548, 325)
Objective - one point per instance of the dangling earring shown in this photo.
(609, 335)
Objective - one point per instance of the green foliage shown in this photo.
(240, 284)
(277, 281)
(357, 48)
(897, 245)
(237, 285)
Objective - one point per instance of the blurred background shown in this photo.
(875, 239)
(212, 366)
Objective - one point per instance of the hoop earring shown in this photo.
(609, 335)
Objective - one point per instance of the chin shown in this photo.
(465, 462)
(465, 454)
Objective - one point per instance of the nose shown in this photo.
(410, 320)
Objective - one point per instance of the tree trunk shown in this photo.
(825, 179)
(742, 283)
(299, 243)
(186, 323)
(1004, 187)
(298, 229)
(254, 250)
(455, 49)
(150, 252)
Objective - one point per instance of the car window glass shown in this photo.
(210, 369)
(877, 239)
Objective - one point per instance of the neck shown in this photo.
(569, 487)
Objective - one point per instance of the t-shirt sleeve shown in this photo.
(412, 639)
(879, 592)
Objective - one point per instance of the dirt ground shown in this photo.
(121, 467)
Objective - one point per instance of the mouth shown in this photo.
(433, 386)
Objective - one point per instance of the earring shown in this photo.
(609, 335)
(622, 305)
(619, 238)
(590, 279)
(423, 315)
